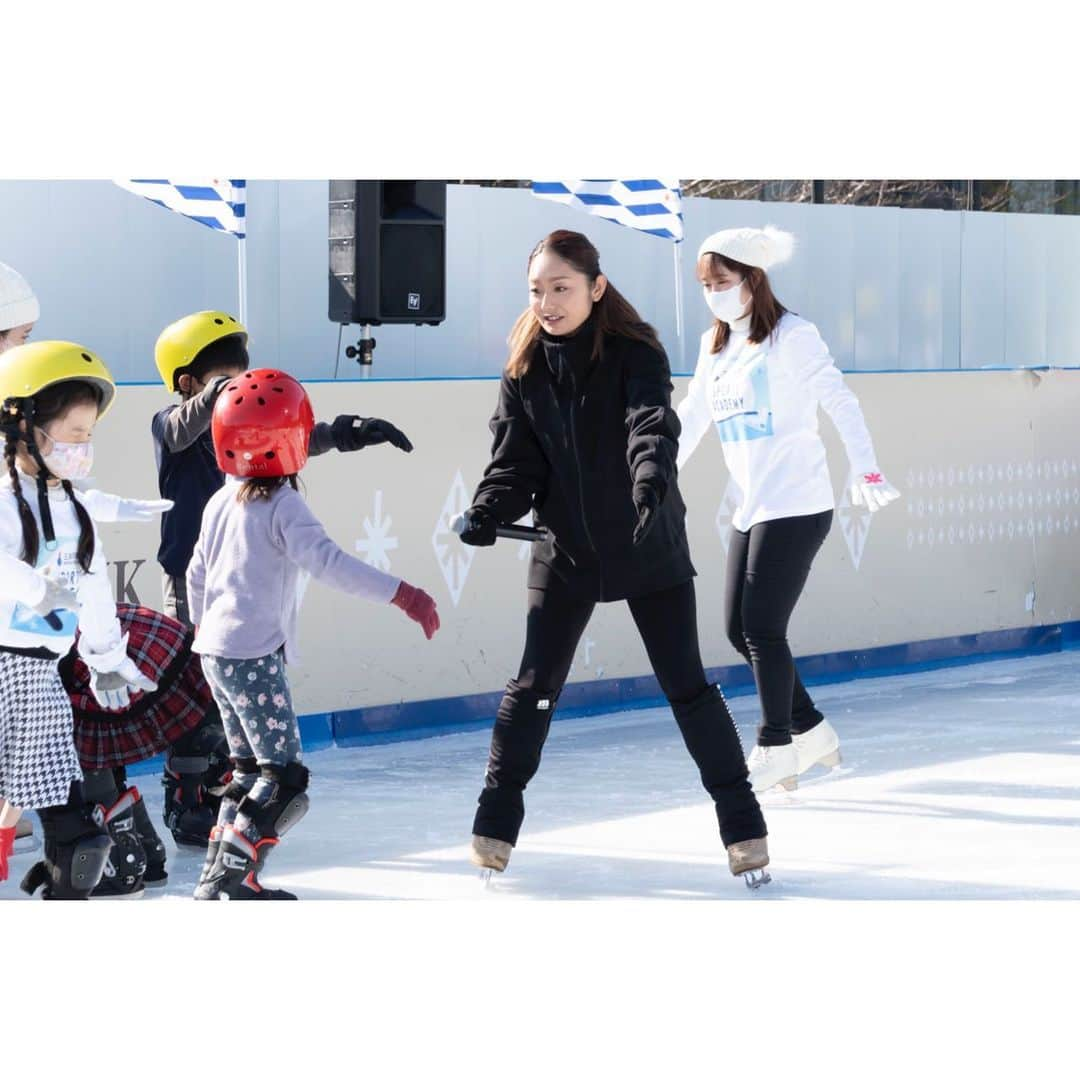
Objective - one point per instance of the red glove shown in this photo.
(7, 844)
(418, 606)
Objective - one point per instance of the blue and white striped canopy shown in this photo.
(652, 206)
(218, 204)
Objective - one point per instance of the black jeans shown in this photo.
(767, 569)
(667, 622)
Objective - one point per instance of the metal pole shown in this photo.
(817, 191)
(675, 249)
(241, 252)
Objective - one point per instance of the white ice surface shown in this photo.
(961, 783)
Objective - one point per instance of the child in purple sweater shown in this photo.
(257, 535)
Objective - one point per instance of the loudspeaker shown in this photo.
(388, 251)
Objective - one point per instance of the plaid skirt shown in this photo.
(161, 647)
(37, 755)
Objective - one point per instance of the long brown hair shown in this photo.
(50, 403)
(614, 314)
(765, 310)
(263, 487)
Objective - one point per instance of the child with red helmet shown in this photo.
(196, 356)
(257, 535)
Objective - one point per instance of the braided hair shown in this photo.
(46, 406)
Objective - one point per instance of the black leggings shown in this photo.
(667, 622)
(767, 569)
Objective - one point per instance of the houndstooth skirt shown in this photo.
(38, 761)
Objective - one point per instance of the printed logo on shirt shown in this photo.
(740, 398)
(62, 566)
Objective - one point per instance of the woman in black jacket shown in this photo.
(586, 438)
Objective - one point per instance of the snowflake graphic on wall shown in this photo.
(728, 505)
(855, 523)
(377, 543)
(454, 557)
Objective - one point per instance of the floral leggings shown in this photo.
(256, 711)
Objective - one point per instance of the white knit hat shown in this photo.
(18, 304)
(755, 247)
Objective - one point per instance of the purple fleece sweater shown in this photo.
(244, 575)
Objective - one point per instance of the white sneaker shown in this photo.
(818, 746)
(772, 765)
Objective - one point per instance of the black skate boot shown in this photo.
(187, 811)
(123, 874)
(76, 849)
(155, 876)
(197, 772)
(234, 875)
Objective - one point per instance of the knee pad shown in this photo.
(524, 707)
(521, 729)
(287, 803)
(76, 852)
(202, 754)
(529, 699)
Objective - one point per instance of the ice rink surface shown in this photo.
(960, 783)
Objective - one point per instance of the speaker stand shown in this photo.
(363, 351)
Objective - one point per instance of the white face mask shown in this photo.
(727, 306)
(69, 461)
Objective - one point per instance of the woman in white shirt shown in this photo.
(761, 374)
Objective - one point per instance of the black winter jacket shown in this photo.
(572, 437)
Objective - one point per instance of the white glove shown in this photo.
(107, 508)
(113, 689)
(141, 509)
(56, 596)
(873, 491)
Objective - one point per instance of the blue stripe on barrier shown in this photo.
(408, 720)
(420, 719)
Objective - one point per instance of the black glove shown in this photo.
(356, 432)
(480, 527)
(209, 393)
(646, 503)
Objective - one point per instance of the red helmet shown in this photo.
(261, 425)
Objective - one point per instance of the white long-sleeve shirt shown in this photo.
(763, 401)
(22, 585)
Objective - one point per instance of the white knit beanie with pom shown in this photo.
(766, 247)
(18, 304)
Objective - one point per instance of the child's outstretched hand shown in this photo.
(418, 606)
(356, 432)
(108, 508)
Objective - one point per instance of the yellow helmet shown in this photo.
(27, 369)
(180, 342)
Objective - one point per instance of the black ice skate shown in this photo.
(235, 872)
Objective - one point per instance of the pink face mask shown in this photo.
(69, 461)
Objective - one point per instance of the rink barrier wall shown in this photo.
(984, 539)
(888, 286)
(407, 721)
